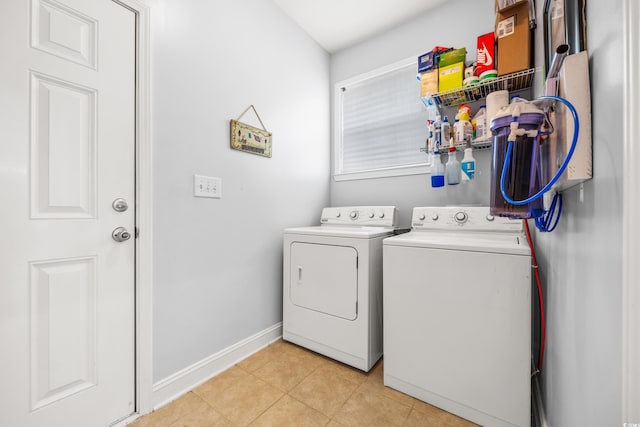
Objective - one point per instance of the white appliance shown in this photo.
(332, 284)
(457, 314)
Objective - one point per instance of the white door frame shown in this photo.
(144, 271)
(631, 213)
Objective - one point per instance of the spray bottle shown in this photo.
(431, 141)
(468, 165)
(437, 174)
(453, 167)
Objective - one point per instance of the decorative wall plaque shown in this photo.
(249, 138)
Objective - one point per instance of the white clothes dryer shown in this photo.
(332, 284)
(457, 314)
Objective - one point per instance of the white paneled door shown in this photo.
(67, 152)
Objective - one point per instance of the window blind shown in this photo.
(383, 122)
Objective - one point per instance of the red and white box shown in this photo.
(485, 53)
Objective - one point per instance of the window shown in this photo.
(380, 125)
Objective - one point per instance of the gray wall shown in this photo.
(581, 262)
(456, 23)
(218, 263)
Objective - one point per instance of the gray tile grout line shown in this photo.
(359, 384)
(285, 393)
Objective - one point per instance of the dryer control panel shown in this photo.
(362, 216)
(469, 218)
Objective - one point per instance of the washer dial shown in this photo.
(460, 217)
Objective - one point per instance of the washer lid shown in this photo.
(502, 243)
(346, 231)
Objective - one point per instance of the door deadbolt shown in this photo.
(120, 234)
(120, 205)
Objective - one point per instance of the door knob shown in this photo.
(120, 234)
(120, 205)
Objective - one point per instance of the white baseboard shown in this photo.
(174, 386)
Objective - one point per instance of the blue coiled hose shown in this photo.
(543, 222)
(574, 142)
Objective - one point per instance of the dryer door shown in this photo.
(324, 278)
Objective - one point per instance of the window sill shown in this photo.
(421, 169)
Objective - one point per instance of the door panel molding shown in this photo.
(63, 328)
(63, 154)
(48, 19)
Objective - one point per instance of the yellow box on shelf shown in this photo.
(450, 77)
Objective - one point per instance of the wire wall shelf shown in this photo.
(511, 82)
(476, 144)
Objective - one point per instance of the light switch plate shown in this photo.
(207, 186)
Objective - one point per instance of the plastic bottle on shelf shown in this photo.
(453, 168)
(479, 124)
(468, 127)
(468, 165)
(461, 108)
(437, 132)
(445, 131)
(432, 132)
(463, 129)
(437, 175)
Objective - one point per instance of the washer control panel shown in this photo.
(470, 218)
(373, 216)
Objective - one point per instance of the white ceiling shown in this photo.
(336, 24)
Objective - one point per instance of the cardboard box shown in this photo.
(452, 57)
(429, 83)
(485, 53)
(425, 62)
(450, 77)
(437, 52)
(513, 38)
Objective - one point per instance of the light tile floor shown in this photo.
(287, 385)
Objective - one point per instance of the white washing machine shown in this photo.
(457, 314)
(332, 284)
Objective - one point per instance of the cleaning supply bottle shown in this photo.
(437, 174)
(457, 131)
(479, 124)
(445, 131)
(461, 108)
(432, 136)
(468, 165)
(453, 168)
(463, 130)
(437, 132)
(468, 127)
